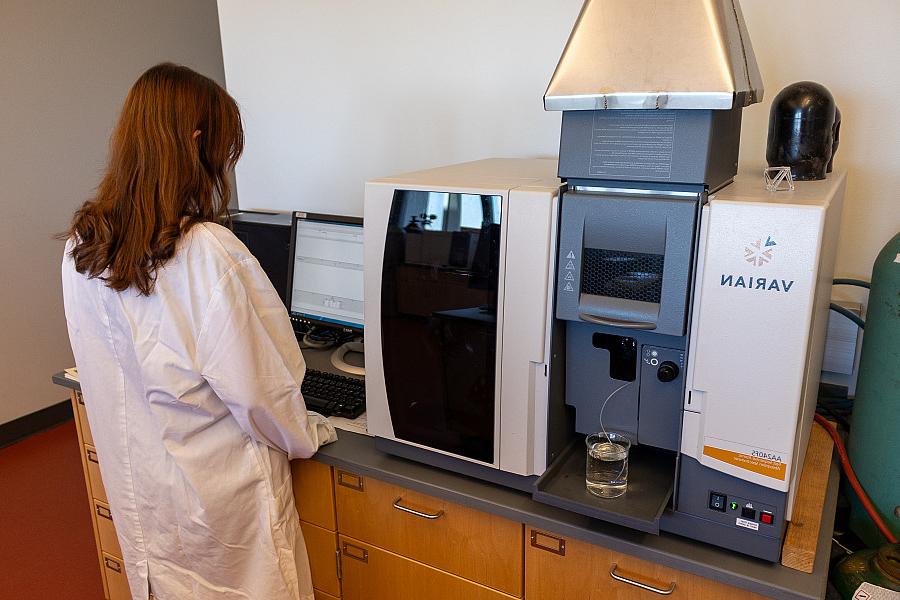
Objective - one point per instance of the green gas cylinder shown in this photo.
(874, 444)
(870, 568)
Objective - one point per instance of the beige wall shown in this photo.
(322, 113)
(358, 89)
(852, 48)
(65, 67)
(399, 86)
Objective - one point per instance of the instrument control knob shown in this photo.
(667, 371)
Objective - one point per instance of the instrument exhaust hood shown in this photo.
(656, 54)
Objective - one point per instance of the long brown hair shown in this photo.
(162, 177)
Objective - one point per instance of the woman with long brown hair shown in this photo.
(187, 358)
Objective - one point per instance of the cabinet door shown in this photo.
(78, 411)
(81, 415)
(93, 465)
(559, 568)
(116, 580)
(321, 546)
(370, 573)
(480, 547)
(323, 596)
(314, 493)
(109, 542)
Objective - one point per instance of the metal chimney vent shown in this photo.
(656, 54)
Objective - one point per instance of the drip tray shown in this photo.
(651, 477)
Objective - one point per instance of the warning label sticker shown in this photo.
(632, 144)
(870, 591)
(747, 524)
(764, 466)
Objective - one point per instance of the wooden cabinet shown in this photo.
(314, 498)
(314, 493)
(321, 546)
(371, 540)
(116, 580)
(112, 567)
(477, 546)
(560, 568)
(109, 542)
(370, 573)
(93, 470)
(81, 416)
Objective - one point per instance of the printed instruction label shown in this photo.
(747, 524)
(763, 466)
(869, 591)
(632, 144)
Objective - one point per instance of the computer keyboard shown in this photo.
(334, 395)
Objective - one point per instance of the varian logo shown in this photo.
(758, 254)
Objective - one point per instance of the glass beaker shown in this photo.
(606, 472)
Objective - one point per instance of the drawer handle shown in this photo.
(92, 456)
(350, 480)
(80, 398)
(643, 586)
(430, 516)
(355, 552)
(112, 564)
(104, 512)
(558, 548)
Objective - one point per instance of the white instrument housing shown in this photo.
(529, 192)
(760, 313)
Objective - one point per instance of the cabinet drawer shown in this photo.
(477, 546)
(321, 546)
(313, 492)
(370, 573)
(116, 580)
(323, 596)
(559, 567)
(109, 542)
(81, 415)
(93, 463)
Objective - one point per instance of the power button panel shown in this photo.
(740, 511)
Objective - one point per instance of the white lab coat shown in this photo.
(193, 398)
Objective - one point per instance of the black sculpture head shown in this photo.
(803, 130)
(835, 137)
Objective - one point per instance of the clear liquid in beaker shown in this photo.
(606, 474)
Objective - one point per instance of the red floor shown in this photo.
(46, 541)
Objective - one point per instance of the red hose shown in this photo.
(854, 482)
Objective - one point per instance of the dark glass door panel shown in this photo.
(439, 319)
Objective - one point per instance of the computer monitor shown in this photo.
(268, 237)
(327, 276)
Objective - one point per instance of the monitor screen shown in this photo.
(327, 282)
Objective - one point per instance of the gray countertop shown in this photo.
(357, 453)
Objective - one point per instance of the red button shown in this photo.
(766, 518)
